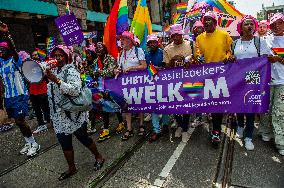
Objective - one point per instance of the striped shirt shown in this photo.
(12, 79)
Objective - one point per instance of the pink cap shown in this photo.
(128, 35)
(210, 14)
(152, 37)
(4, 44)
(247, 17)
(276, 17)
(176, 29)
(24, 55)
(91, 47)
(197, 24)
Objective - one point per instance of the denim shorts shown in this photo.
(17, 107)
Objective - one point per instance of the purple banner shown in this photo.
(70, 29)
(241, 87)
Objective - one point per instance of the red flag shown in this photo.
(110, 30)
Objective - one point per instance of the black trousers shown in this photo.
(81, 134)
(106, 118)
(41, 108)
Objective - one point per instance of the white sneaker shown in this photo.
(240, 132)
(25, 149)
(281, 152)
(41, 128)
(148, 117)
(184, 137)
(35, 147)
(92, 130)
(248, 144)
(178, 132)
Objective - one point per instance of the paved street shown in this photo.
(138, 163)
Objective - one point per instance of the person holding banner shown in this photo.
(213, 45)
(16, 93)
(38, 97)
(247, 46)
(104, 67)
(65, 80)
(132, 58)
(178, 54)
(275, 46)
(154, 56)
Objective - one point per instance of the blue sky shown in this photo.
(253, 6)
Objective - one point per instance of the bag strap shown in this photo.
(256, 41)
(234, 46)
(136, 52)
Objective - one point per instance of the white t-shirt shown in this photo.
(277, 69)
(245, 49)
(129, 58)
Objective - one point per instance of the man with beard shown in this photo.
(214, 46)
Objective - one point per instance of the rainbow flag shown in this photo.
(152, 70)
(50, 44)
(279, 51)
(223, 6)
(41, 53)
(122, 18)
(223, 22)
(181, 7)
(178, 18)
(84, 55)
(167, 28)
(141, 25)
(110, 30)
(195, 14)
(67, 8)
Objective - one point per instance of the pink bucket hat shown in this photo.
(24, 55)
(4, 45)
(276, 17)
(210, 14)
(247, 17)
(91, 47)
(263, 22)
(128, 35)
(152, 37)
(197, 24)
(65, 49)
(176, 29)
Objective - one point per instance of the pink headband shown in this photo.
(247, 17)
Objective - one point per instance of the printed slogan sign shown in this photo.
(241, 87)
(69, 29)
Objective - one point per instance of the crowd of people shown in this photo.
(208, 45)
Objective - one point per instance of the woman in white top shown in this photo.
(247, 46)
(276, 112)
(131, 59)
(65, 80)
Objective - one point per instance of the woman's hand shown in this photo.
(127, 70)
(51, 76)
(117, 72)
(274, 58)
(231, 58)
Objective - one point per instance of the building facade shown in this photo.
(32, 22)
(267, 12)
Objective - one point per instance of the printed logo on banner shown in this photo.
(192, 89)
(252, 77)
(254, 97)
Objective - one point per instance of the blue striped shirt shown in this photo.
(12, 79)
